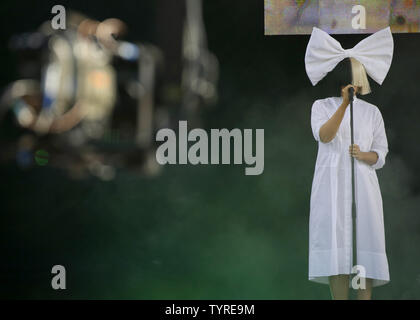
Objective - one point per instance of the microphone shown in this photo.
(351, 93)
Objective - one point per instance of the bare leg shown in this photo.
(365, 294)
(339, 286)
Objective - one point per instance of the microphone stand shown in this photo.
(353, 191)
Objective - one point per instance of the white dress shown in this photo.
(330, 223)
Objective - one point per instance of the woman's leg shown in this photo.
(339, 286)
(365, 294)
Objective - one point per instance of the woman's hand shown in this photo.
(355, 152)
(345, 94)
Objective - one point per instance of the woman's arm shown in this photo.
(329, 129)
(370, 157)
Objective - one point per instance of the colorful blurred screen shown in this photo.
(341, 16)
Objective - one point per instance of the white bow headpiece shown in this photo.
(323, 53)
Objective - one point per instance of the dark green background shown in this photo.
(208, 231)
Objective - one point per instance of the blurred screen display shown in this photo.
(341, 16)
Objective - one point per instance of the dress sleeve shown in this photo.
(318, 118)
(380, 142)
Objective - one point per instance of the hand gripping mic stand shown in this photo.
(353, 199)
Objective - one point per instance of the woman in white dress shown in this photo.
(331, 224)
(330, 253)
